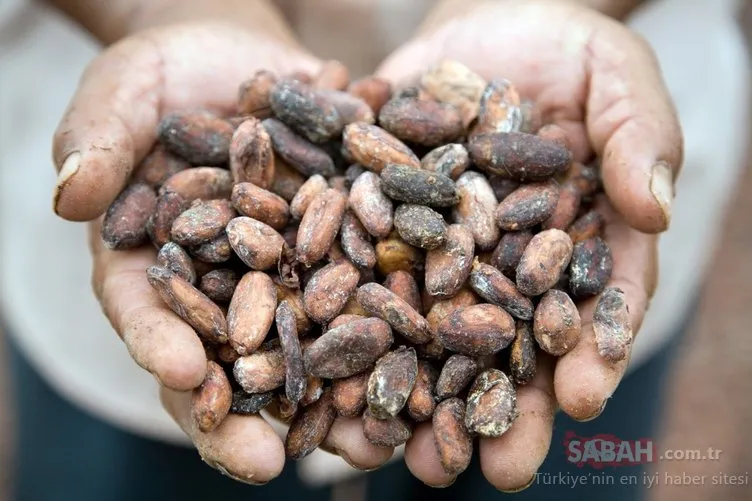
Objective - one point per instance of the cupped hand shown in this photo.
(109, 127)
(602, 84)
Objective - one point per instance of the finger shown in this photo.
(346, 439)
(633, 126)
(244, 448)
(110, 122)
(422, 458)
(510, 462)
(584, 380)
(157, 339)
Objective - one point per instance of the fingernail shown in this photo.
(598, 413)
(224, 471)
(444, 486)
(68, 170)
(662, 188)
(341, 453)
(520, 489)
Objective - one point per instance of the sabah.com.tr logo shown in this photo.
(602, 451)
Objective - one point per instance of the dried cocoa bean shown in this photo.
(590, 268)
(350, 394)
(251, 154)
(491, 404)
(502, 187)
(295, 377)
(158, 165)
(612, 325)
(200, 183)
(506, 257)
(390, 432)
(176, 259)
(566, 208)
(391, 382)
(453, 442)
(482, 329)
(475, 209)
(586, 178)
(588, 226)
(351, 109)
(202, 222)
(320, 225)
(305, 195)
(420, 226)
(294, 298)
(421, 121)
(499, 109)
(404, 285)
(251, 311)
(210, 402)
(261, 371)
(380, 302)
(261, 205)
(309, 428)
(159, 226)
(491, 284)
(257, 244)
(522, 358)
(421, 403)
(314, 390)
(373, 90)
(545, 259)
(456, 374)
(217, 250)
(395, 254)
(450, 160)
(356, 242)
(522, 157)
(374, 210)
(124, 225)
(247, 404)
(305, 111)
(226, 353)
(299, 153)
(198, 136)
(329, 289)
(448, 267)
(557, 325)
(417, 186)
(253, 95)
(527, 206)
(374, 148)
(453, 83)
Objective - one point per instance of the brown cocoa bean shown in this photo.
(124, 225)
(247, 404)
(159, 226)
(226, 353)
(287, 181)
(502, 187)
(590, 268)
(257, 244)
(261, 205)
(425, 122)
(395, 254)
(356, 241)
(453, 83)
(309, 428)
(373, 90)
(158, 166)
(295, 377)
(404, 285)
(544, 261)
(198, 136)
(450, 160)
(374, 148)
(482, 329)
(253, 95)
(217, 250)
(557, 325)
(305, 195)
(612, 325)
(491, 284)
(332, 75)
(320, 226)
(251, 154)
(339, 183)
(305, 111)
(261, 371)
(351, 109)
(294, 298)
(555, 134)
(189, 303)
(417, 186)
(314, 390)
(343, 319)
(349, 349)
(587, 226)
(251, 311)
(420, 226)
(522, 157)
(566, 208)
(499, 109)
(456, 374)
(522, 358)
(200, 183)
(441, 309)
(210, 402)
(176, 259)
(508, 253)
(475, 209)
(421, 403)
(585, 177)
(350, 394)
(491, 404)
(202, 222)
(453, 442)
(300, 154)
(373, 208)
(391, 382)
(380, 302)
(329, 289)
(390, 432)
(448, 267)
(527, 206)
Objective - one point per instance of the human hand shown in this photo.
(109, 127)
(601, 83)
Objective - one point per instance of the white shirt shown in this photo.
(45, 292)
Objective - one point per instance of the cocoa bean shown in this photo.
(253, 95)
(502, 187)
(531, 117)
(425, 122)
(491, 404)
(380, 302)
(314, 390)
(309, 428)
(417, 186)
(374, 148)
(557, 325)
(251, 311)
(305, 111)
(176, 259)
(391, 382)
(491, 284)
(300, 154)
(475, 209)
(198, 136)
(448, 267)
(477, 330)
(527, 206)
(545, 259)
(420, 226)
(329, 289)
(587, 226)
(566, 208)
(356, 242)
(202, 222)
(351, 109)
(294, 298)
(394, 254)
(421, 403)
(450, 160)
(390, 432)
(590, 268)
(453, 83)
(403, 284)
(506, 257)
(210, 402)
(200, 183)
(251, 154)
(124, 225)
(585, 177)
(522, 157)
(456, 374)
(349, 349)
(453, 442)
(441, 309)
(168, 207)
(262, 205)
(499, 109)
(158, 166)
(257, 244)
(374, 210)
(522, 358)
(226, 353)
(295, 377)
(350, 394)
(320, 226)
(261, 371)
(555, 134)
(305, 195)
(189, 303)
(612, 325)
(287, 181)
(339, 183)
(247, 404)
(217, 250)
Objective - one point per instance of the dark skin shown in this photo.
(590, 74)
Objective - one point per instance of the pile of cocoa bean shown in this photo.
(343, 248)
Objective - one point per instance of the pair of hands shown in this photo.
(587, 72)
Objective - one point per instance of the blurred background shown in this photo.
(711, 380)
